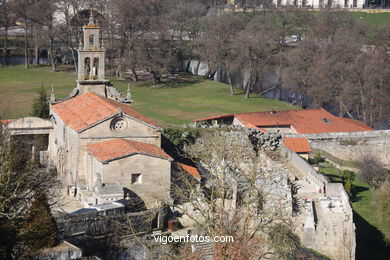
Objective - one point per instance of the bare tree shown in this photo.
(23, 11)
(236, 200)
(218, 46)
(372, 171)
(7, 19)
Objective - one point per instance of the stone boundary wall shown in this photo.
(311, 238)
(351, 146)
(95, 224)
(337, 190)
(311, 175)
(345, 135)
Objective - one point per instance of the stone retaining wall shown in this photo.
(351, 146)
(305, 169)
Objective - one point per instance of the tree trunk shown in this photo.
(74, 60)
(269, 89)
(36, 50)
(135, 74)
(25, 44)
(5, 47)
(248, 87)
(229, 78)
(52, 56)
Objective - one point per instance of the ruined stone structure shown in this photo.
(324, 218)
(321, 210)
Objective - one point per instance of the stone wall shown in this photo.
(97, 224)
(334, 233)
(305, 169)
(351, 146)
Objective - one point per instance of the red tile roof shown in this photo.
(191, 170)
(87, 109)
(118, 148)
(308, 121)
(298, 145)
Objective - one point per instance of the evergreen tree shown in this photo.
(39, 229)
(41, 105)
(348, 178)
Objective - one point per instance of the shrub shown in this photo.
(181, 136)
(348, 178)
(41, 105)
(316, 159)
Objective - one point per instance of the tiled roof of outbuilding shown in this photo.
(298, 145)
(309, 121)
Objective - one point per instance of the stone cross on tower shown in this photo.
(91, 60)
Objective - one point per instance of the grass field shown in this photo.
(187, 98)
(371, 228)
(378, 19)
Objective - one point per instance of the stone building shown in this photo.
(102, 146)
(320, 3)
(310, 3)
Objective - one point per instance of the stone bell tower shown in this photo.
(91, 61)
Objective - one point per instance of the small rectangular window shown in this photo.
(136, 178)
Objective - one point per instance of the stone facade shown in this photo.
(153, 177)
(90, 116)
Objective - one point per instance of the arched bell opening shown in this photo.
(87, 68)
(91, 41)
(95, 68)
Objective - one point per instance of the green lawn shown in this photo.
(371, 229)
(181, 101)
(377, 19)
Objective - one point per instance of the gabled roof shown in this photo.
(309, 121)
(191, 170)
(85, 110)
(110, 150)
(298, 145)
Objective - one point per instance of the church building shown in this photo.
(99, 144)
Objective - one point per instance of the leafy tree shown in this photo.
(39, 229)
(41, 105)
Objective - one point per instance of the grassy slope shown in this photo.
(19, 87)
(378, 19)
(179, 102)
(372, 228)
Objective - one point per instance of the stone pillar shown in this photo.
(101, 71)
